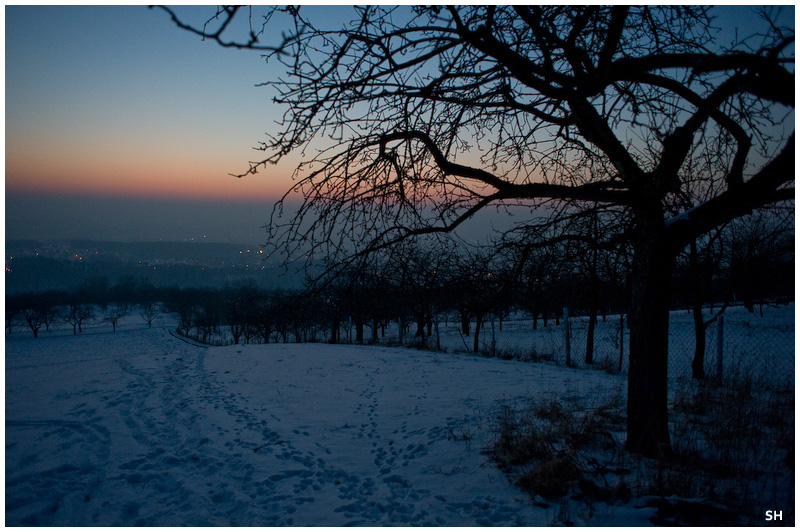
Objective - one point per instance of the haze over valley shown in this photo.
(35, 266)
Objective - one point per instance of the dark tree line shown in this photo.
(418, 287)
(95, 299)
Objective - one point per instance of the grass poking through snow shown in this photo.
(733, 457)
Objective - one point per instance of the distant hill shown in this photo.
(33, 266)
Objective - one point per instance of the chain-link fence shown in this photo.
(740, 345)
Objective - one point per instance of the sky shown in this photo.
(114, 111)
(117, 100)
(121, 126)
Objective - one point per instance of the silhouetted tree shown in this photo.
(427, 115)
(50, 315)
(756, 247)
(239, 304)
(207, 313)
(536, 284)
(417, 271)
(13, 312)
(185, 303)
(264, 316)
(148, 310)
(34, 317)
(701, 267)
(77, 314)
(114, 313)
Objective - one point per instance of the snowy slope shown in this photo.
(138, 427)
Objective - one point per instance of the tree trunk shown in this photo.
(698, 361)
(359, 332)
(648, 431)
(594, 303)
(594, 297)
(465, 323)
(420, 325)
(429, 321)
(401, 324)
(334, 331)
(590, 337)
(478, 323)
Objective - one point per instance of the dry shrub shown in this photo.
(733, 455)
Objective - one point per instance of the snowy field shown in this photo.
(139, 427)
(756, 346)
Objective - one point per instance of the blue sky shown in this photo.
(114, 110)
(117, 121)
(118, 101)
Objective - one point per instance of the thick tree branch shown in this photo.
(605, 191)
(762, 189)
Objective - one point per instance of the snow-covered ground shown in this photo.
(139, 427)
(760, 347)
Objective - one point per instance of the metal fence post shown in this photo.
(566, 336)
(720, 331)
(402, 325)
(621, 339)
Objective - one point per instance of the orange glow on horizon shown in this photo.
(150, 178)
(162, 164)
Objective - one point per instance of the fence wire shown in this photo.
(755, 346)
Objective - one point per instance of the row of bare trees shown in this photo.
(96, 299)
(417, 286)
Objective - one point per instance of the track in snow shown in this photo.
(139, 428)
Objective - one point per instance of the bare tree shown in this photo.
(756, 248)
(700, 272)
(34, 317)
(114, 313)
(238, 308)
(77, 314)
(50, 315)
(13, 312)
(422, 117)
(148, 311)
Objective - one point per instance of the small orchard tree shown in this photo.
(757, 249)
(78, 314)
(238, 309)
(13, 313)
(114, 313)
(420, 117)
(148, 310)
(34, 317)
